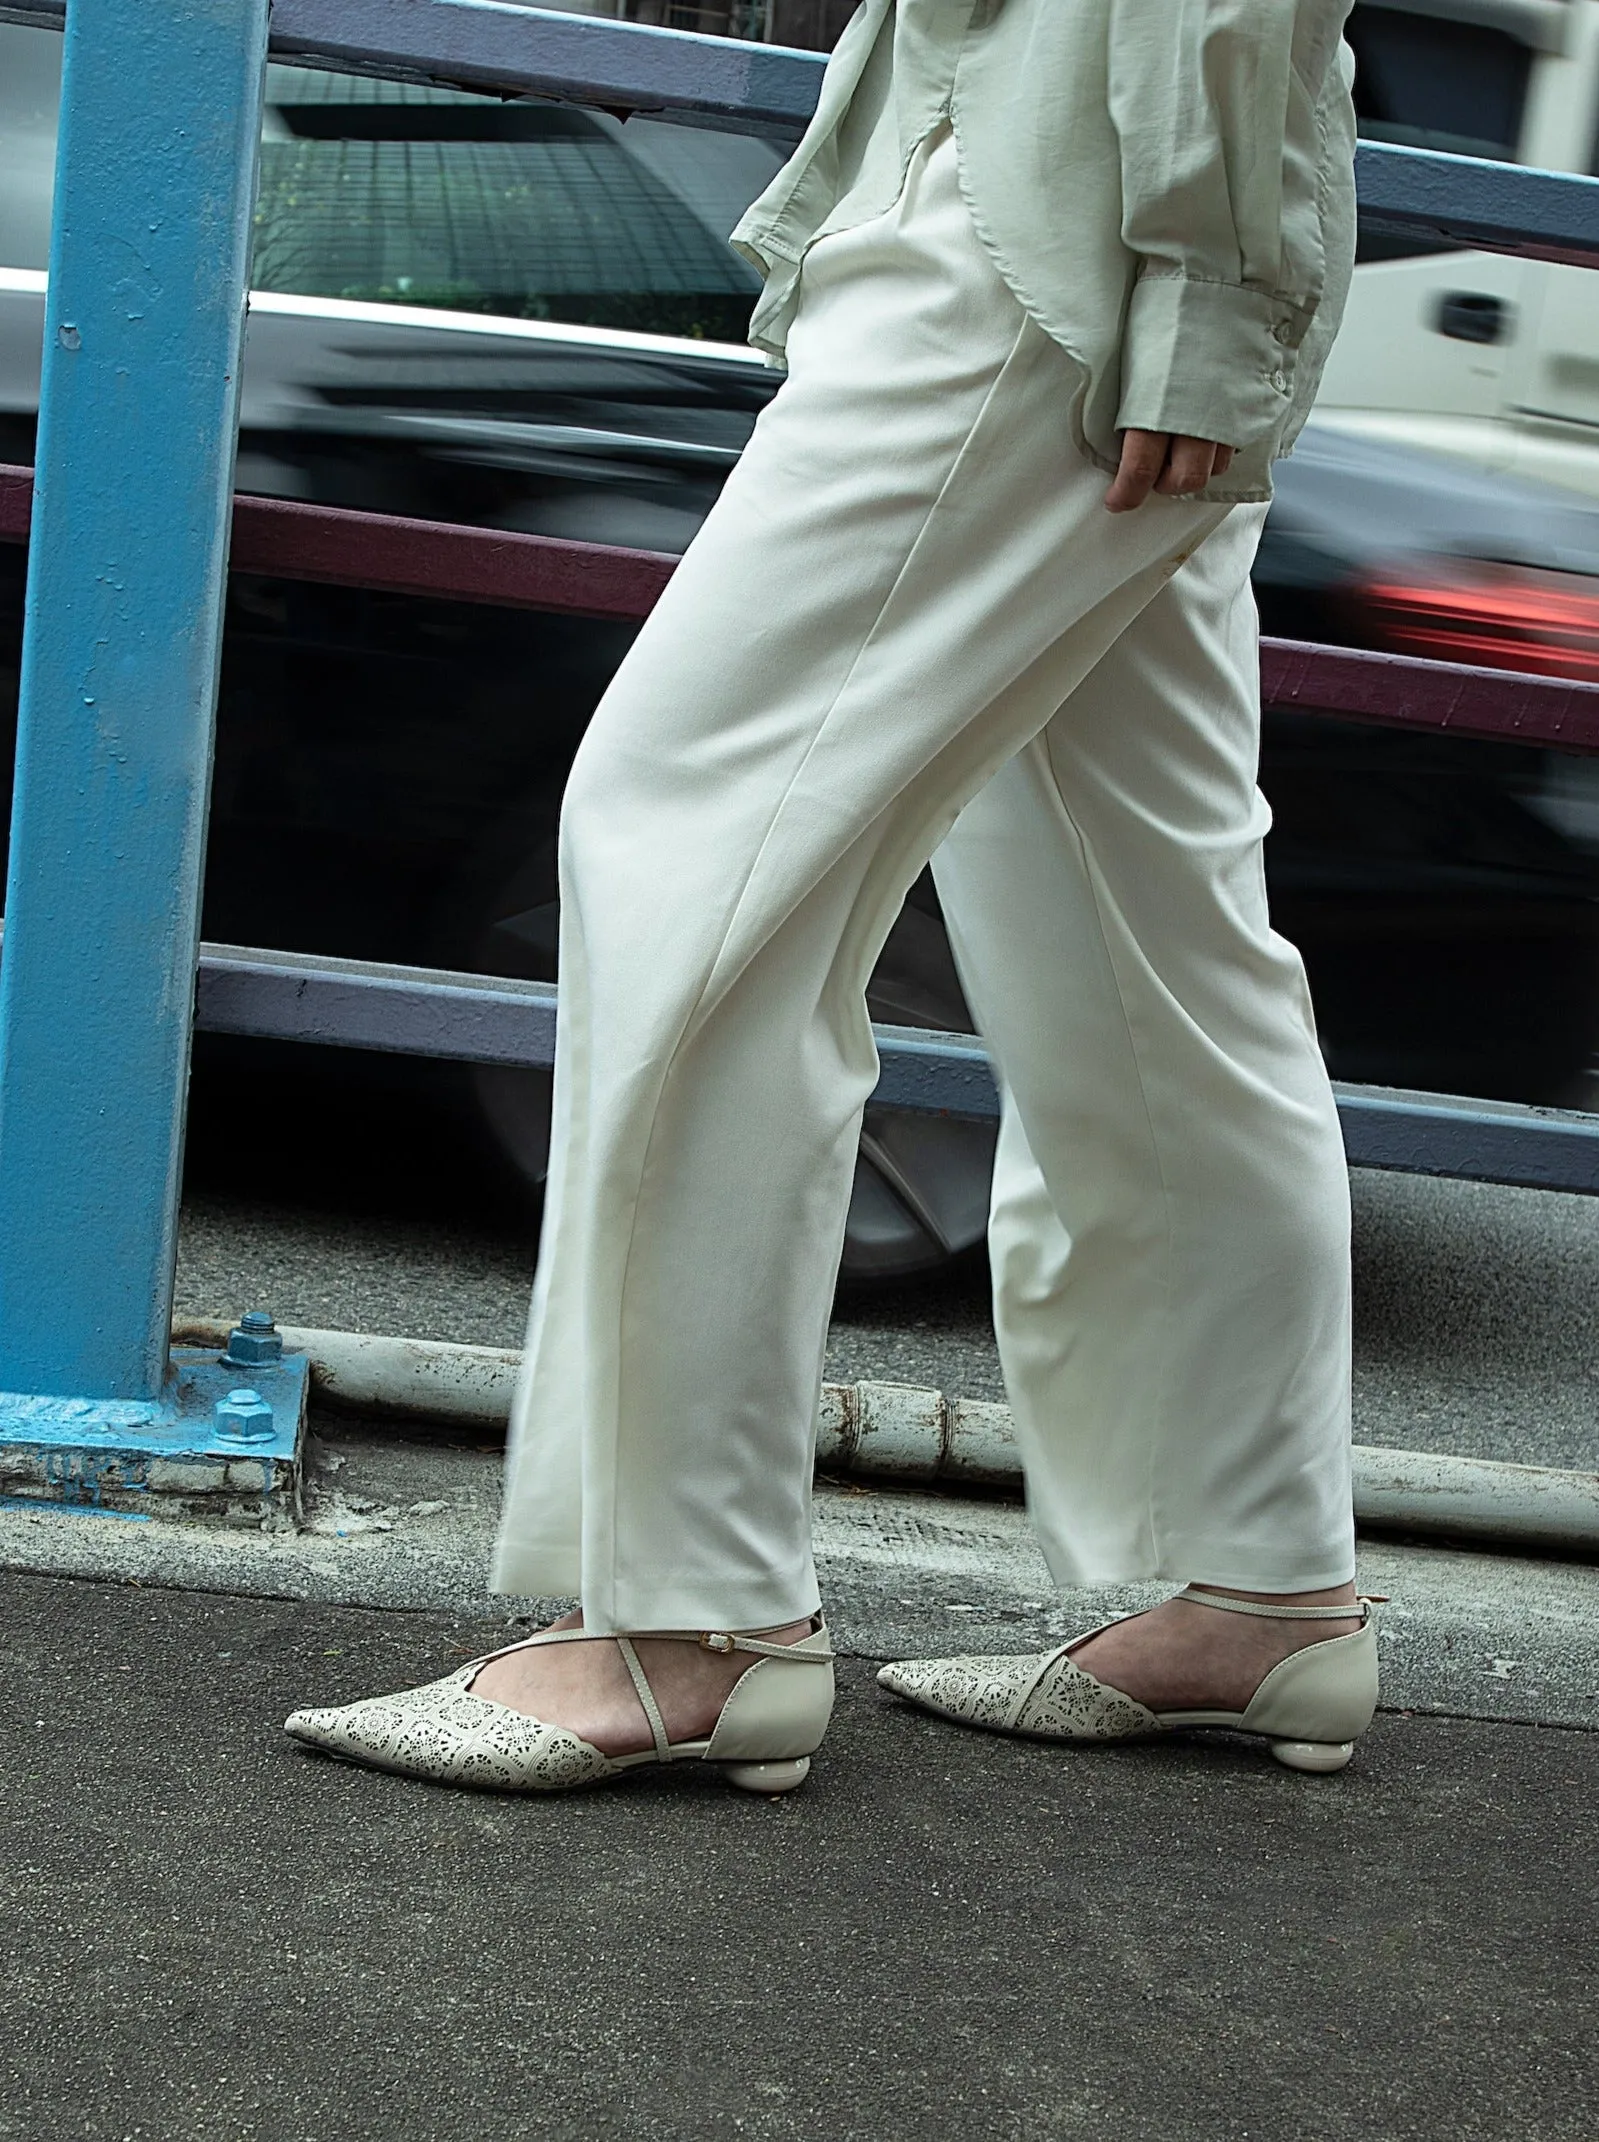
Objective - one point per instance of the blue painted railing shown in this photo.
(155, 180)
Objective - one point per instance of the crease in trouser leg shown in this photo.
(1170, 1224)
(552, 1504)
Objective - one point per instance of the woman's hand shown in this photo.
(1156, 461)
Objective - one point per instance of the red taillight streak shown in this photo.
(1545, 631)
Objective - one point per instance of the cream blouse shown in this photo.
(1166, 185)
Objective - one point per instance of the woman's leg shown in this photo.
(908, 572)
(1170, 1229)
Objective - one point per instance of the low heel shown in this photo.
(768, 1777)
(1318, 1755)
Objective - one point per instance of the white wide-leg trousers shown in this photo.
(910, 606)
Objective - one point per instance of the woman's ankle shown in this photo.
(1330, 1595)
(786, 1632)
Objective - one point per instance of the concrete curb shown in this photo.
(406, 1523)
(921, 1438)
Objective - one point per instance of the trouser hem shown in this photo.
(536, 1573)
(1197, 1563)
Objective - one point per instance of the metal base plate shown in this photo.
(138, 1458)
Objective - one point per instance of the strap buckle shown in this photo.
(716, 1640)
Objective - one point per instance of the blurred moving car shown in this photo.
(524, 316)
(1479, 355)
(1441, 892)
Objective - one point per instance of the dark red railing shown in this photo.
(293, 541)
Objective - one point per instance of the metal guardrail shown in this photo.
(123, 628)
(481, 1019)
(397, 555)
(485, 1019)
(768, 89)
(337, 546)
(525, 52)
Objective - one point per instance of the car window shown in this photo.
(1429, 83)
(1426, 82)
(408, 195)
(30, 90)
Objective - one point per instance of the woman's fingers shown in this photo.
(1143, 458)
(1188, 467)
(1173, 467)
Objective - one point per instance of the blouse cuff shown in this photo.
(1208, 360)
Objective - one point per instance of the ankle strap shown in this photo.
(718, 1640)
(726, 1640)
(646, 1697)
(1355, 1610)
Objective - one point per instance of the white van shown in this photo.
(1479, 355)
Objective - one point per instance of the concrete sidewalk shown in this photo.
(205, 1933)
(406, 1521)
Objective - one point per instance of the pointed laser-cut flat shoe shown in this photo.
(771, 1725)
(1312, 1707)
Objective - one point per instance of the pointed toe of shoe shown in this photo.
(1041, 1697)
(975, 1691)
(363, 1732)
(444, 1734)
(931, 1683)
(313, 1728)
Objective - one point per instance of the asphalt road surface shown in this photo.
(208, 1936)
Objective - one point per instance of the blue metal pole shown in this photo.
(155, 180)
